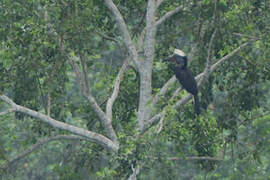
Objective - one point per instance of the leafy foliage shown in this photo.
(230, 139)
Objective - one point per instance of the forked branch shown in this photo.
(91, 136)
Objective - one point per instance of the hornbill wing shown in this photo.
(187, 80)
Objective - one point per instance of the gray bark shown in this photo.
(92, 136)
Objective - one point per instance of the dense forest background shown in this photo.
(84, 93)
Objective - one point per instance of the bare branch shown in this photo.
(163, 90)
(247, 36)
(85, 91)
(38, 145)
(92, 136)
(123, 28)
(176, 93)
(228, 56)
(114, 95)
(168, 15)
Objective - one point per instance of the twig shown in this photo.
(196, 158)
(162, 91)
(168, 15)
(208, 158)
(247, 36)
(109, 38)
(7, 111)
(208, 61)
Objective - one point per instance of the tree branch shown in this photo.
(109, 38)
(159, 2)
(162, 91)
(191, 158)
(145, 68)
(210, 47)
(7, 111)
(157, 23)
(85, 91)
(135, 172)
(168, 15)
(38, 145)
(123, 28)
(208, 61)
(117, 82)
(92, 136)
(247, 36)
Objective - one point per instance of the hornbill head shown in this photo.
(178, 57)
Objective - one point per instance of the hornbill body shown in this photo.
(184, 75)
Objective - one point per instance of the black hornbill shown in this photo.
(184, 75)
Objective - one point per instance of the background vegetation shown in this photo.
(57, 55)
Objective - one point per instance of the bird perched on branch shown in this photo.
(184, 75)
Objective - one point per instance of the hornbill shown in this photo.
(184, 76)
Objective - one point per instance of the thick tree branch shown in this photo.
(38, 145)
(145, 68)
(123, 28)
(92, 136)
(157, 23)
(140, 40)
